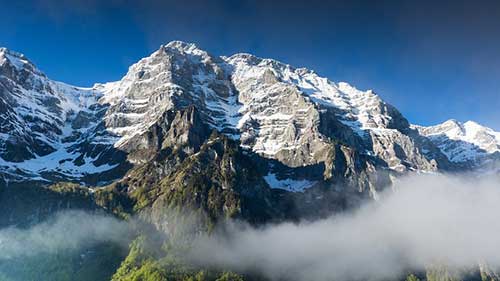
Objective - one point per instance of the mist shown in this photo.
(68, 230)
(424, 221)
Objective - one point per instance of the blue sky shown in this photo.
(432, 61)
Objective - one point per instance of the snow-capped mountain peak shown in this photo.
(174, 76)
(362, 109)
(484, 137)
(463, 141)
(183, 47)
(16, 59)
(13, 63)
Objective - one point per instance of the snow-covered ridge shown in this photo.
(283, 108)
(362, 108)
(16, 59)
(149, 88)
(463, 141)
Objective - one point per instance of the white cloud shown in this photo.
(69, 230)
(429, 220)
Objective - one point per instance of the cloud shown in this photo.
(69, 230)
(428, 220)
(425, 220)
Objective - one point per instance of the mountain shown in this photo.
(52, 131)
(226, 137)
(466, 142)
(45, 125)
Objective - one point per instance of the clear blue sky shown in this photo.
(432, 61)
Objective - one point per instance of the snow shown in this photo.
(51, 163)
(226, 112)
(283, 101)
(16, 59)
(263, 102)
(49, 123)
(360, 110)
(462, 142)
(59, 161)
(473, 135)
(287, 184)
(186, 48)
(139, 108)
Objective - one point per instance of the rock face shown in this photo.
(306, 130)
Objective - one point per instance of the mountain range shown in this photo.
(51, 131)
(232, 137)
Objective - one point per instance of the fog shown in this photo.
(69, 230)
(424, 221)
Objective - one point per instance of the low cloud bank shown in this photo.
(69, 230)
(427, 220)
